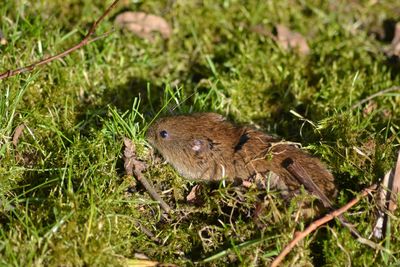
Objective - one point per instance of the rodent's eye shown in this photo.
(164, 134)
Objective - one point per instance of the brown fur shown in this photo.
(205, 146)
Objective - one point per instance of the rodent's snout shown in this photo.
(150, 135)
(157, 132)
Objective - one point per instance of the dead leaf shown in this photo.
(147, 263)
(388, 198)
(131, 163)
(194, 196)
(292, 40)
(129, 156)
(386, 113)
(369, 108)
(259, 209)
(3, 40)
(144, 25)
(140, 256)
(395, 186)
(369, 147)
(17, 134)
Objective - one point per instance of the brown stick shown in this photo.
(84, 41)
(135, 167)
(140, 177)
(148, 233)
(314, 225)
(298, 172)
(391, 89)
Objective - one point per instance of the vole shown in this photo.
(206, 146)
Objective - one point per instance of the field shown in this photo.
(65, 199)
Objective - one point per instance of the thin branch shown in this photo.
(101, 36)
(313, 226)
(148, 233)
(297, 171)
(84, 41)
(140, 177)
(391, 89)
(135, 167)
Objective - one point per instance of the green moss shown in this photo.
(64, 199)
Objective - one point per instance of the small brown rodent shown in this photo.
(205, 146)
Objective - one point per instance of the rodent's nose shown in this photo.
(150, 134)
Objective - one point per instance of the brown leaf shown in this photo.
(291, 40)
(369, 108)
(3, 40)
(395, 189)
(386, 113)
(144, 25)
(369, 147)
(17, 134)
(129, 156)
(194, 196)
(146, 263)
(388, 198)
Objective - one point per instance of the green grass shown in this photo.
(64, 197)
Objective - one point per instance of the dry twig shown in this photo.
(391, 89)
(84, 42)
(135, 167)
(148, 233)
(313, 226)
(302, 176)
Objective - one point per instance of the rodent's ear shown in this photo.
(199, 145)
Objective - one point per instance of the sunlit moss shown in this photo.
(64, 198)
